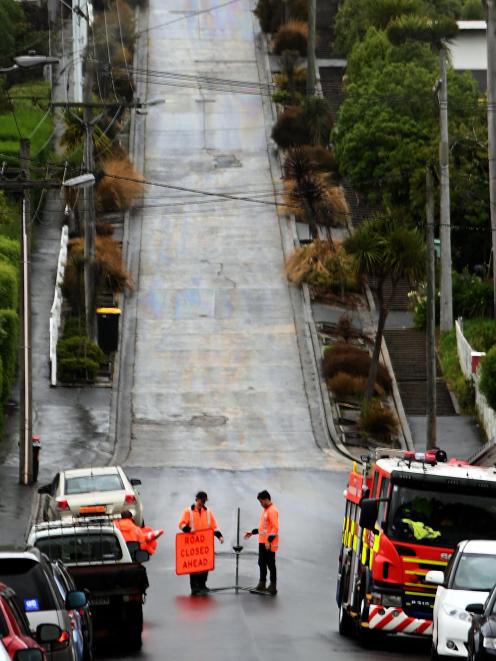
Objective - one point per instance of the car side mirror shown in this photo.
(141, 556)
(369, 509)
(46, 488)
(475, 609)
(75, 599)
(47, 633)
(135, 482)
(435, 577)
(32, 654)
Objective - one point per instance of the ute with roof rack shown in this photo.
(101, 563)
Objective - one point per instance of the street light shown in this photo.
(29, 61)
(82, 181)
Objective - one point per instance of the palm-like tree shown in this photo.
(384, 248)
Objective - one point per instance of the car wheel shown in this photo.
(346, 624)
(434, 654)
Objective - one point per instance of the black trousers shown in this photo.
(198, 581)
(267, 560)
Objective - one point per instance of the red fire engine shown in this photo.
(405, 513)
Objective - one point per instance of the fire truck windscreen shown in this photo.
(440, 518)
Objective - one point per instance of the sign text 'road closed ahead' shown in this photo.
(195, 552)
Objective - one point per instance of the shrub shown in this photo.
(73, 369)
(473, 11)
(9, 339)
(111, 272)
(285, 98)
(9, 217)
(321, 263)
(73, 326)
(345, 328)
(299, 81)
(290, 129)
(377, 420)
(292, 35)
(10, 250)
(270, 13)
(104, 229)
(347, 358)
(481, 333)
(318, 118)
(487, 381)
(472, 296)
(321, 159)
(343, 385)
(8, 285)
(78, 358)
(455, 379)
(120, 188)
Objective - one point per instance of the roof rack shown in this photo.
(78, 522)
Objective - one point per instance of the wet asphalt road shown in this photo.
(300, 623)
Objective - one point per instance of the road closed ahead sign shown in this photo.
(195, 552)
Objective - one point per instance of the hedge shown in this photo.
(10, 250)
(8, 285)
(78, 359)
(9, 333)
(487, 382)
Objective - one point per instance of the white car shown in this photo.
(469, 577)
(90, 491)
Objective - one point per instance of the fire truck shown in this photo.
(405, 512)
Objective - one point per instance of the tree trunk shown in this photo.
(374, 364)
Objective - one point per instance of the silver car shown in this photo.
(30, 574)
(90, 492)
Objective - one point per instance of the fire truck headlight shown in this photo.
(490, 643)
(458, 613)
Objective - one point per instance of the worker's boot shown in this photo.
(261, 586)
(272, 589)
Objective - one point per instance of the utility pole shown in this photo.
(25, 395)
(446, 320)
(311, 48)
(431, 314)
(491, 128)
(89, 209)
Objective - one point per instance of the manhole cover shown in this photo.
(227, 161)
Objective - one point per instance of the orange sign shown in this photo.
(195, 552)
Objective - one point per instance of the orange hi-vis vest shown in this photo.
(197, 519)
(269, 525)
(130, 531)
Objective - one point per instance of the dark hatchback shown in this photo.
(482, 633)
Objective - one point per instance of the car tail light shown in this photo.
(72, 618)
(61, 643)
(129, 498)
(132, 597)
(62, 504)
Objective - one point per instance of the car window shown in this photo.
(88, 483)
(19, 614)
(28, 580)
(88, 547)
(475, 571)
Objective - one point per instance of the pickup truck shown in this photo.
(101, 563)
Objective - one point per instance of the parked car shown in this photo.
(14, 627)
(100, 562)
(82, 626)
(90, 491)
(469, 577)
(30, 574)
(29, 654)
(482, 633)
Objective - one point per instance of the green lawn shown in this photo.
(28, 119)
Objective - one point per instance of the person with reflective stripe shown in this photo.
(199, 517)
(268, 542)
(145, 537)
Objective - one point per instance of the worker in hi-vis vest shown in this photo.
(268, 542)
(199, 517)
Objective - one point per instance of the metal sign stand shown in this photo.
(237, 548)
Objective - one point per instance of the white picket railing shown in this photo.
(469, 361)
(56, 310)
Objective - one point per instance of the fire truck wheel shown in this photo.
(438, 657)
(346, 624)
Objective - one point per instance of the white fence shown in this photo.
(469, 361)
(56, 311)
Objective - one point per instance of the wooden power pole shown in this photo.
(312, 10)
(491, 127)
(89, 209)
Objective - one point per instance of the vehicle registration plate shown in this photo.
(99, 601)
(92, 509)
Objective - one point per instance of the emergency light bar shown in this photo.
(432, 457)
